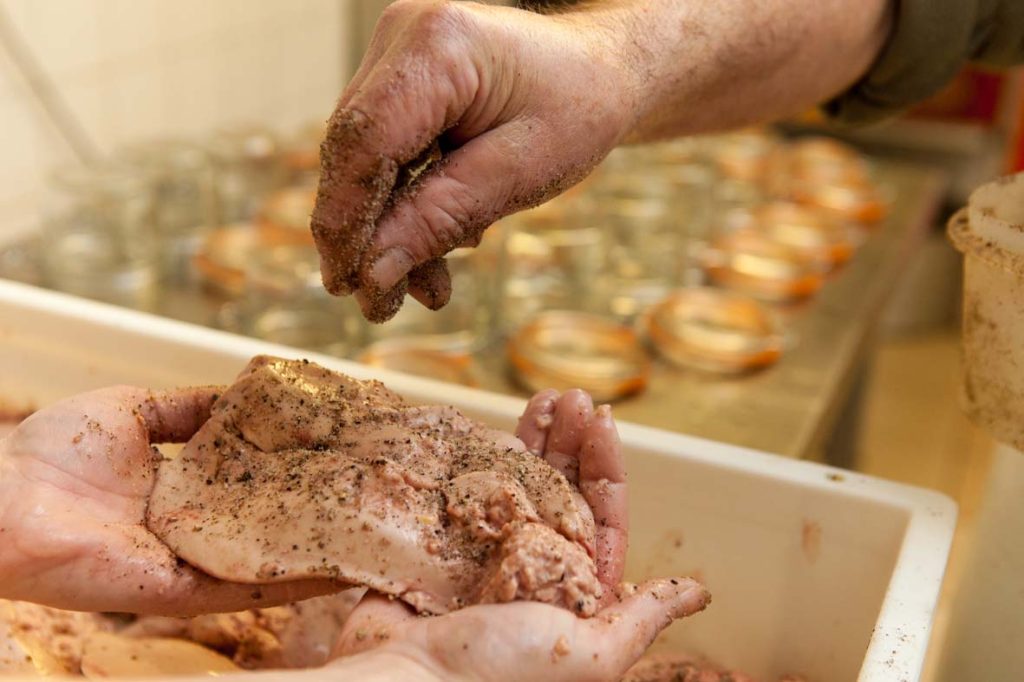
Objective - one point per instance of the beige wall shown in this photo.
(132, 69)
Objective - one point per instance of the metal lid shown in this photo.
(234, 257)
(290, 208)
(857, 201)
(421, 358)
(560, 349)
(812, 232)
(749, 261)
(714, 330)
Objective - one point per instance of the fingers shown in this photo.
(394, 114)
(174, 416)
(534, 425)
(602, 475)
(122, 567)
(202, 593)
(572, 414)
(373, 622)
(381, 306)
(627, 628)
(431, 284)
(449, 207)
(356, 178)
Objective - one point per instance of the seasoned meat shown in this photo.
(299, 635)
(303, 472)
(40, 639)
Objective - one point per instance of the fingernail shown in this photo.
(390, 267)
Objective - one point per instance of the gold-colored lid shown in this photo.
(714, 330)
(421, 358)
(858, 201)
(290, 209)
(229, 255)
(814, 233)
(749, 261)
(563, 350)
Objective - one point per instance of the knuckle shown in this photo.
(440, 19)
(426, 18)
(442, 225)
(395, 12)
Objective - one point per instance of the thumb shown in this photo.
(449, 207)
(174, 416)
(373, 622)
(627, 628)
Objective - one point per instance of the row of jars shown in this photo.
(748, 212)
(113, 230)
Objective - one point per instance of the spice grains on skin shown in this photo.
(302, 472)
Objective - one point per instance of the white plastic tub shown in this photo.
(814, 570)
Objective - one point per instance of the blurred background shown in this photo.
(125, 71)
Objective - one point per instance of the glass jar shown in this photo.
(550, 257)
(563, 350)
(247, 169)
(694, 183)
(283, 301)
(646, 245)
(185, 206)
(99, 234)
(301, 154)
(743, 163)
(460, 326)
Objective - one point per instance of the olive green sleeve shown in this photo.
(930, 41)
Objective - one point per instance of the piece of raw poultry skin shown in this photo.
(39, 640)
(299, 635)
(303, 472)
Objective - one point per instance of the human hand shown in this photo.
(521, 640)
(531, 641)
(583, 444)
(523, 106)
(75, 479)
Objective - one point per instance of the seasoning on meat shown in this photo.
(303, 472)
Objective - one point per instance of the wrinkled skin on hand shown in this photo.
(75, 479)
(531, 641)
(524, 641)
(521, 105)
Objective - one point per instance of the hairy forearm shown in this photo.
(703, 66)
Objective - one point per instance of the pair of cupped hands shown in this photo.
(75, 480)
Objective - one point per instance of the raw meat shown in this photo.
(302, 472)
(39, 639)
(299, 635)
